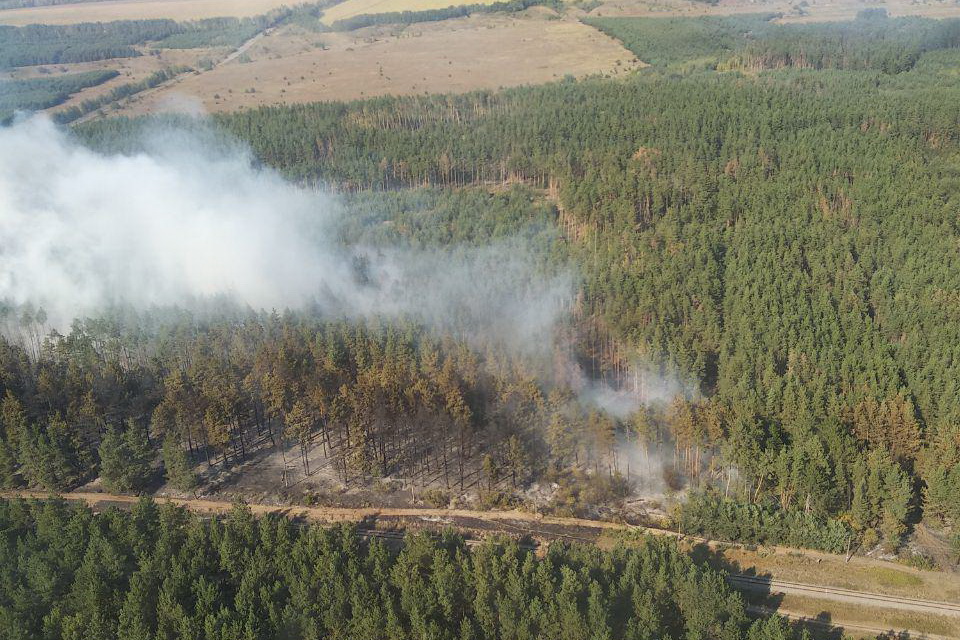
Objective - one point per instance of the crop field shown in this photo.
(480, 52)
(137, 10)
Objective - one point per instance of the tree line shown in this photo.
(756, 42)
(34, 94)
(436, 15)
(125, 90)
(158, 572)
(90, 41)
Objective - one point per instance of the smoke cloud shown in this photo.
(186, 220)
(643, 385)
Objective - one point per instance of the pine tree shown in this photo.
(177, 467)
(125, 458)
(8, 466)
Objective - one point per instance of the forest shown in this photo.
(434, 15)
(34, 94)
(784, 239)
(159, 572)
(756, 42)
(37, 44)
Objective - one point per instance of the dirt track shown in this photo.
(336, 514)
(766, 585)
(520, 521)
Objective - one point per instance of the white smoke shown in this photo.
(185, 220)
(642, 385)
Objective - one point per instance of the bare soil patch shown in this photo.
(479, 52)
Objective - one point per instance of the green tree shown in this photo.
(125, 458)
(177, 467)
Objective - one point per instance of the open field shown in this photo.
(480, 52)
(352, 8)
(138, 10)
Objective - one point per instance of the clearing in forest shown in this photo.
(479, 52)
(138, 10)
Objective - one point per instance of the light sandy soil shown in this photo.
(352, 8)
(138, 10)
(480, 52)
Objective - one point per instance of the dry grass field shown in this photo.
(138, 10)
(489, 51)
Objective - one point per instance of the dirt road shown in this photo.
(767, 585)
(830, 627)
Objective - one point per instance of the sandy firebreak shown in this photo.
(480, 52)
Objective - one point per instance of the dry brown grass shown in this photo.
(138, 10)
(858, 621)
(860, 574)
(480, 52)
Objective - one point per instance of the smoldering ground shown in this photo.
(190, 215)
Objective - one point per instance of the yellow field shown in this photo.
(352, 8)
(480, 52)
(138, 10)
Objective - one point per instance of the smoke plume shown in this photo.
(186, 220)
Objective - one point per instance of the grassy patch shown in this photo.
(839, 614)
